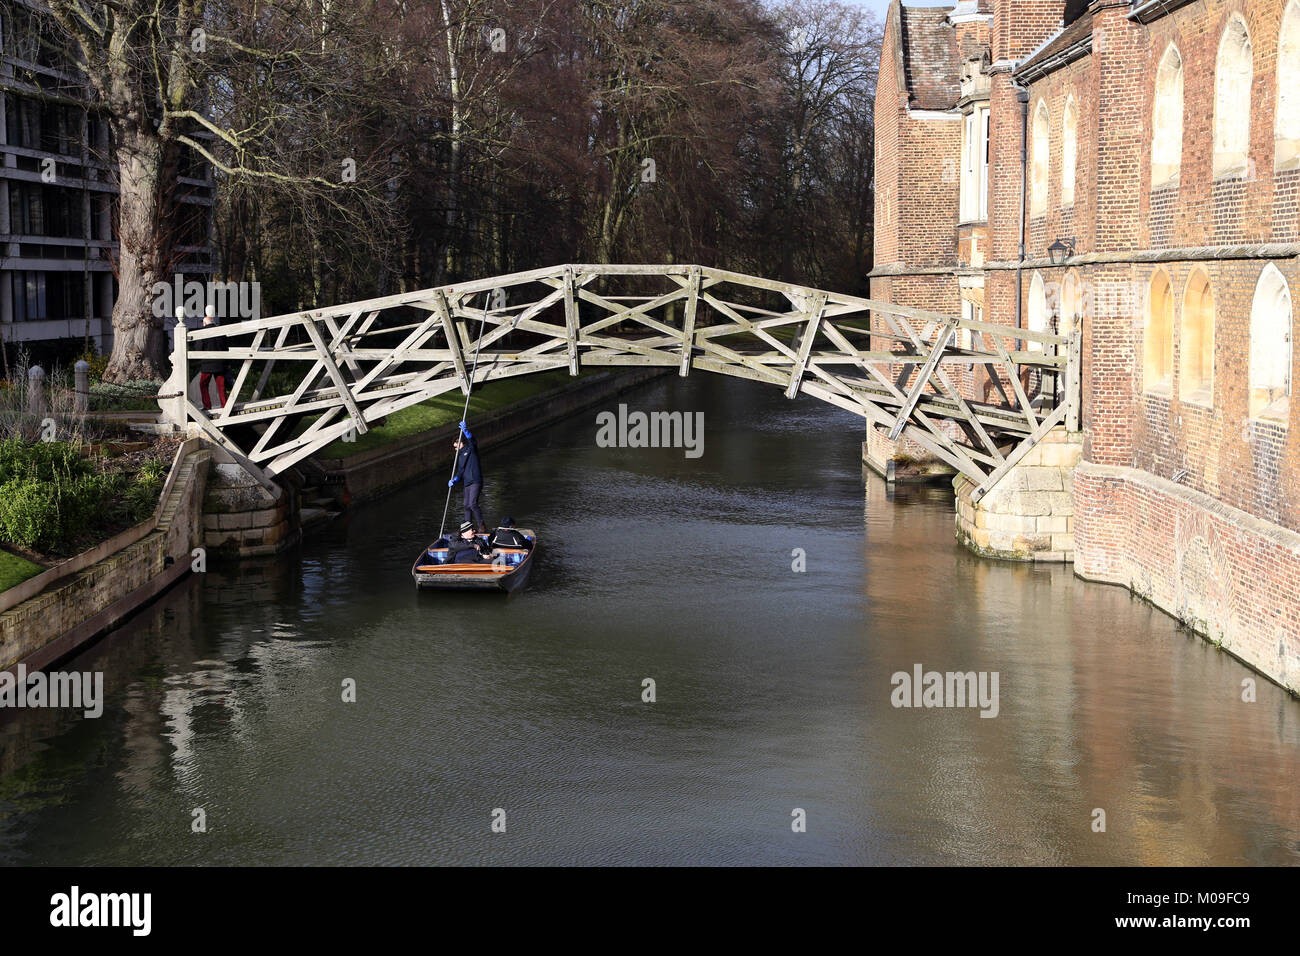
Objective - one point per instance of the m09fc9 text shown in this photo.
(1162, 899)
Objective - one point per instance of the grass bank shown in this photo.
(446, 409)
(15, 570)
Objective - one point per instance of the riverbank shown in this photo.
(53, 613)
(367, 473)
(448, 408)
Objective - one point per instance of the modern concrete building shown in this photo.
(58, 194)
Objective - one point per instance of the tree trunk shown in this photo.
(139, 344)
(445, 265)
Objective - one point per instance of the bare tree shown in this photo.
(671, 85)
(829, 78)
(169, 75)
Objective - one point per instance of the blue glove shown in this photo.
(452, 482)
(465, 428)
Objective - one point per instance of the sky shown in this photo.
(878, 7)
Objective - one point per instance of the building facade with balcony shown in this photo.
(58, 196)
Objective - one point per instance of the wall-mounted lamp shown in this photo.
(1061, 250)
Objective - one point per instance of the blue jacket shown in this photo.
(467, 466)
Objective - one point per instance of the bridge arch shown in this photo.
(307, 378)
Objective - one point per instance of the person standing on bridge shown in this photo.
(470, 472)
(210, 368)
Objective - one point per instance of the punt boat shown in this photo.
(507, 569)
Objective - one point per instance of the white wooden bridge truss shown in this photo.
(351, 365)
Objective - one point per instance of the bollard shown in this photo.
(36, 391)
(81, 376)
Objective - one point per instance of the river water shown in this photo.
(772, 686)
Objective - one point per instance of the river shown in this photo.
(773, 709)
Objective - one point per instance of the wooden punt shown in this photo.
(507, 570)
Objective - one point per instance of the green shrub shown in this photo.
(29, 513)
(153, 470)
(125, 396)
(143, 494)
(49, 494)
(41, 461)
(96, 362)
(13, 458)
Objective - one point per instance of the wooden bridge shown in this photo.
(306, 379)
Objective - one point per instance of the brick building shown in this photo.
(1136, 165)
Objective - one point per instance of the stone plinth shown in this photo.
(241, 518)
(1029, 514)
(902, 460)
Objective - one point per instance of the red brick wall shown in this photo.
(930, 153)
(1205, 212)
(1219, 547)
(917, 161)
(1077, 219)
(1248, 464)
(1234, 578)
(890, 106)
(1119, 120)
(1253, 467)
(1021, 26)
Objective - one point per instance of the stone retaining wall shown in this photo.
(243, 519)
(51, 625)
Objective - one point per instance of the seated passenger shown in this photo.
(507, 536)
(466, 548)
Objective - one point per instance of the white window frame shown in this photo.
(974, 192)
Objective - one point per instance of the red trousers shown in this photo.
(203, 388)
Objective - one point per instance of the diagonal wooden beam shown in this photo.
(1019, 389)
(336, 376)
(453, 341)
(688, 322)
(922, 380)
(806, 345)
(243, 374)
(424, 331)
(986, 484)
(339, 339)
(571, 320)
(200, 418)
(266, 372)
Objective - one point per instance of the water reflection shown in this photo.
(773, 687)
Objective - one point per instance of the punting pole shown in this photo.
(464, 415)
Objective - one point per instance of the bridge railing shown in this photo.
(306, 379)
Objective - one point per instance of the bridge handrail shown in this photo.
(457, 290)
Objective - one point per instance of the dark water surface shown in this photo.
(773, 687)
